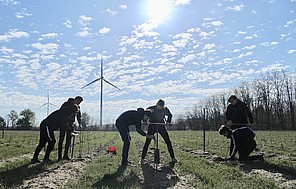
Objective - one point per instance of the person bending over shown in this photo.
(130, 117)
(243, 142)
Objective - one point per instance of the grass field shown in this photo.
(93, 168)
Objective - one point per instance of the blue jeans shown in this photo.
(125, 136)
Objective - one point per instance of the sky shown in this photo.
(180, 51)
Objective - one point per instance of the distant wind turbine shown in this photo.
(47, 103)
(102, 79)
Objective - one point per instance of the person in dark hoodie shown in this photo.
(243, 142)
(238, 114)
(68, 129)
(160, 118)
(51, 123)
(130, 117)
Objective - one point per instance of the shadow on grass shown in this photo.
(13, 176)
(270, 167)
(164, 177)
(124, 177)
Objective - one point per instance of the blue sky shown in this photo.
(178, 50)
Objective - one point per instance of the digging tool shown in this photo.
(73, 144)
(156, 150)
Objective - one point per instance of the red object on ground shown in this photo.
(112, 149)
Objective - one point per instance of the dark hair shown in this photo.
(160, 102)
(232, 97)
(79, 98)
(70, 99)
(223, 129)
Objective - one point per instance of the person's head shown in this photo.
(145, 113)
(71, 100)
(232, 99)
(160, 104)
(78, 100)
(225, 131)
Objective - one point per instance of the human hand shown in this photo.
(229, 122)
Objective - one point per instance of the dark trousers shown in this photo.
(152, 129)
(125, 136)
(46, 135)
(246, 148)
(64, 131)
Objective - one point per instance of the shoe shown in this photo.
(35, 161)
(125, 163)
(47, 161)
(260, 157)
(174, 160)
(142, 162)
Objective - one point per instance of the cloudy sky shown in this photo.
(178, 50)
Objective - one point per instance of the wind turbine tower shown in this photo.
(101, 95)
(47, 103)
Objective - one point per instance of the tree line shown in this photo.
(271, 98)
(25, 120)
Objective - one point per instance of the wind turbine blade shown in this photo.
(91, 82)
(43, 105)
(52, 104)
(111, 84)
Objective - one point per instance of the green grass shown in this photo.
(200, 171)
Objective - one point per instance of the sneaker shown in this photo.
(47, 161)
(142, 162)
(126, 163)
(174, 160)
(35, 161)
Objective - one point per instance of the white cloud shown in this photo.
(209, 46)
(48, 48)
(84, 33)
(181, 2)
(50, 35)
(236, 7)
(23, 14)
(291, 51)
(123, 7)
(13, 34)
(68, 24)
(111, 12)
(84, 20)
(104, 30)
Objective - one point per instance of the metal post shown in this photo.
(204, 131)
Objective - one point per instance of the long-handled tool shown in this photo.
(73, 144)
(156, 149)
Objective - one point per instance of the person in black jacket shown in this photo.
(238, 114)
(159, 119)
(68, 129)
(51, 123)
(243, 142)
(130, 117)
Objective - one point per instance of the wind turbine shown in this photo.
(101, 79)
(47, 103)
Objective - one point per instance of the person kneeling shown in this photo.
(243, 143)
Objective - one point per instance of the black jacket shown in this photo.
(131, 117)
(158, 115)
(239, 137)
(239, 113)
(59, 118)
(68, 104)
